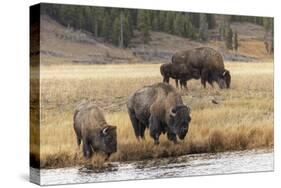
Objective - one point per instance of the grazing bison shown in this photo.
(90, 127)
(208, 62)
(178, 71)
(160, 108)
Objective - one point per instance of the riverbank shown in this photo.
(188, 165)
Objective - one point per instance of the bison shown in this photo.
(208, 62)
(91, 128)
(160, 108)
(178, 71)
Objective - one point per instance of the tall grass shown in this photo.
(242, 119)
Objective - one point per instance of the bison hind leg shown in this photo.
(135, 123)
(204, 77)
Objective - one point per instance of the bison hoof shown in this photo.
(107, 157)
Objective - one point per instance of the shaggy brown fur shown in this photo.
(160, 108)
(208, 62)
(90, 127)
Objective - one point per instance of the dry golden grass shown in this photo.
(243, 119)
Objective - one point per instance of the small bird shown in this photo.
(215, 102)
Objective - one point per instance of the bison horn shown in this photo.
(173, 112)
(224, 72)
(104, 131)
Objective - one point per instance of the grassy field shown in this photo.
(242, 119)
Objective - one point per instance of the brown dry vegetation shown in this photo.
(242, 119)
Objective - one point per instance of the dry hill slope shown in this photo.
(61, 45)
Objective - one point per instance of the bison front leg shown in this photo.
(154, 128)
(166, 79)
(142, 128)
(107, 157)
(204, 78)
(87, 150)
(172, 137)
(183, 84)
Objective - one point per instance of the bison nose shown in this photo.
(182, 136)
(184, 129)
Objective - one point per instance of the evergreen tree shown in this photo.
(203, 30)
(195, 19)
(143, 25)
(127, 31)
(189, 30)
(224, 26)
(116, 31)
(179, 25)
(162, 19)
(169, 23)
(235, 40)
(155, 23)
(121, 39)
(130, 21)
(106, 27)
(228, 40)
(268, 24)
(211, 20)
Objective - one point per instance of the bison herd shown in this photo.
(205, 63)
(158, 107)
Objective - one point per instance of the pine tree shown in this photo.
(116, 31)
(179, 25)
(106, 27)
(162, 19)
(195, 19)
(121, 39)
(228, 40)
(88, 19)
(169, 23)
(203, 30)
(189, 30)
(127, 31)
(235, 40)
(143, 25)
(155, 23)
(130, 21)
(211, 20)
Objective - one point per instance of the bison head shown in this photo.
(179, 120)
(224, 80)
(108, 139)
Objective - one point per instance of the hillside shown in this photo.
(60, 44)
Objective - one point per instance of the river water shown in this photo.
(189, 165)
